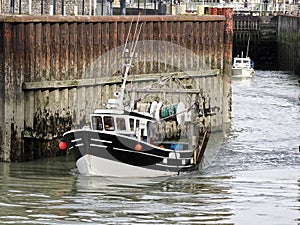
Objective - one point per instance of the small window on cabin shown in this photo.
(121, 124)
(109, 123)
(131, 122)
(238, 61)
(97, 123)
(245, 61)
(137, 124)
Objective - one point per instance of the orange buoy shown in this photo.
(62, 145)
(138, 147)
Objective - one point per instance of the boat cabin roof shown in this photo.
(121, 112)
(242, 62)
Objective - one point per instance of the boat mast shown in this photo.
(248, 46)
(129, 55)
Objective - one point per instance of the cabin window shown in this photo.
(121, 124)
(131, 122)
(109, 123)
(137, 124)
(245, 61)
(238, 61)
(97, 123)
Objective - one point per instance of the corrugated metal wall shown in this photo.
(53, 66)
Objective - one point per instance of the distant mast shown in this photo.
(248, 46)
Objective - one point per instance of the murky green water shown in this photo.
(255, 178)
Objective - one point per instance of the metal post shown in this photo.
(12, 7)
(54, 7)
(110, 8)
(20, 10)
(63, 7)
(159, 10)
(123, 7)
(42, 7)
(82, 7)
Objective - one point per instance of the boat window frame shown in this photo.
(111, 126)
(131, 123)
(121, 124)
(95, 124)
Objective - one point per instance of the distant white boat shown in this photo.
(242, 67)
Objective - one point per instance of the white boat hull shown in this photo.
(242, 72)
(96, 166)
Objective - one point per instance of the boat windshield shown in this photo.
(97, 123)
(121, 125)
(109, 123)
(131, 123)
(242, 63)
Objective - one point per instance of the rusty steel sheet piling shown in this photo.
(50, 66)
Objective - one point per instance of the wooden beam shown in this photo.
(53, 84)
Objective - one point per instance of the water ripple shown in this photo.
(253, 179)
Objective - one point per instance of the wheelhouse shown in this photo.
(242, 63)
(126, 124)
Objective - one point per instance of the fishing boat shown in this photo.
(242, 67)
(142, 138)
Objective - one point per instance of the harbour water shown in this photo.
(253, 178)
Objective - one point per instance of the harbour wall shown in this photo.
(274, 40)
(289, 43)
(54, 70)
(261, 32)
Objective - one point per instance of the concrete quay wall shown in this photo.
(289, 43)
(274, 40)
(261, 32)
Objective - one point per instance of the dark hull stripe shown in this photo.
(142, 153)
(124, 138)
(97, 140)
(111, 147)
